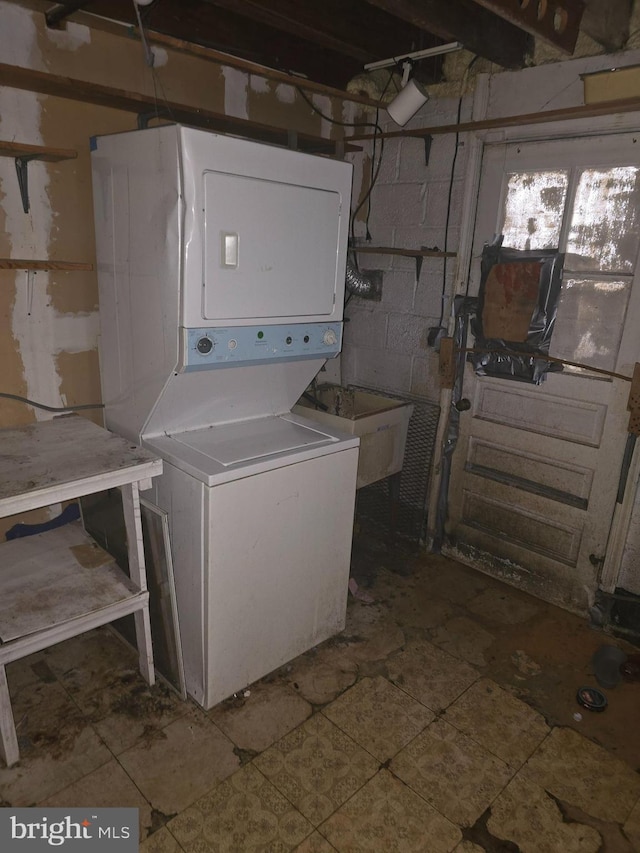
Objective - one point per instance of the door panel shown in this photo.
(535, 472)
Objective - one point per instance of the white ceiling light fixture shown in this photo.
(413, 93)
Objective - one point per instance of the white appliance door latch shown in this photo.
(230, 242)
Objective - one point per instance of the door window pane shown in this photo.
(589, 321)
(605, 225)
(534, 208)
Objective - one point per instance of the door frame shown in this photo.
(477, 142)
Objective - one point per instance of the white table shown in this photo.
(58, 584)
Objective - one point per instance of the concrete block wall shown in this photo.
(385, 343)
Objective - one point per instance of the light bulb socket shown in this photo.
(407, 102)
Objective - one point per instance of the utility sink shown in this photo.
(380, 422)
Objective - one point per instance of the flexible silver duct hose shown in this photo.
(357, 283)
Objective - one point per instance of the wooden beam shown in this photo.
(353, 28)
(228, 32)
(128, 30)
(220, 57)
(480, 31)
(605, 108)
(556, 21)
(285, 16)
(30, 80)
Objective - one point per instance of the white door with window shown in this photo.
(536, 469)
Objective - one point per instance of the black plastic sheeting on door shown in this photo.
(516, 312)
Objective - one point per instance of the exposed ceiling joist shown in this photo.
(351, 28)
(479, 30)
(556, 21)
(288, 36)
(330, 41)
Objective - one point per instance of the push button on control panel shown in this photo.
(204, 346)
(330, 338)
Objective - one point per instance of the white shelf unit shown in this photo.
(58, 584)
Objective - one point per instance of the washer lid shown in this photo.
(246, 441)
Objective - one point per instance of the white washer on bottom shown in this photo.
(261, 518)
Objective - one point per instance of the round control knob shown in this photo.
(329, 338)
(204, 346)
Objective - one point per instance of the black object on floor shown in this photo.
(591, 699)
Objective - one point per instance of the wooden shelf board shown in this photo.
(409, 253)
(30, 80)
(21, 264)
(582, 111)
(36, 152)
(54, 577)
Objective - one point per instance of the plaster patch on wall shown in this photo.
(72, 37)
(76, 332)
(361, 184)
(285, 93)
(12, 368)
(324, 105)
(350, 110)
(160, 56)
(18, 36)
(258, 84)
(36, 330)
(235, 92)
(28, 236)
(33, 325)
(81, 376)
(19, 121)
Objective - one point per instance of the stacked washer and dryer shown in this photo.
(221, 266)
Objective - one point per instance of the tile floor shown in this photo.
(441, 719)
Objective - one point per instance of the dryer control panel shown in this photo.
(206, 348)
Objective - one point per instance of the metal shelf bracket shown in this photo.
(22, 171)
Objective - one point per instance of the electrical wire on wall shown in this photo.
(374, 174)
(149, 58)
(375, 167)
(443, 293)
(37, 405)
(377, 129)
